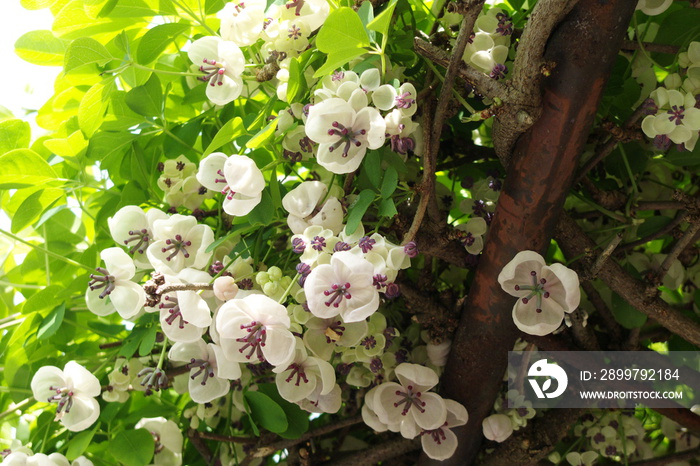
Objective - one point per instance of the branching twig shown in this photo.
(650, 47)
(574, 242)
(202, 447)
(607, 148)
(226, 438)
(680, 217)
(267, 450)
(689, 237)
(605, 255)
(381, 452)
(610, 324)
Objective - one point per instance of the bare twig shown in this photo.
(650, 47)
(610, 324)
(227, 438)
(674, 458)
(169, 288)
(202, 448)
(483, 84)
(689, 237)
(680, 217)
(607, 148)
(267, 450)
(381, 452)
(605, 255)
(574, 242)
(433, 129)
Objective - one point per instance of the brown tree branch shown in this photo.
(650, 47)
(538, 181)
(574, 242)
(381, 452)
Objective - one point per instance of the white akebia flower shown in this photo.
(409, 402)
(441, 443)
(471, 234)
(497, 427)
(677, 119)
(315, 245)
(298, 380)
(222, 64)
(133, 227)
(343, 134)
(305, 209)
(237, 177)
(210, 372)
(73, 389)
(328, 403)
(112, 289)
(313, 12)
(587, 458)
(544, 292)
(255, 329)
(180, 242)
(168, 440)
(242, 22)
(323, 335)
(653, 7)
(344, 287)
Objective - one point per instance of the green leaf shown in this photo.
(72, 21)
(132, 342)
(342, 29)
(264, 212)
(92, 108)
(41, 48)
(652, 225)
(263, 136)
(51, 323)
(389, 182)
(266, 413)
(20, 168)
(156, 40)
(337, 59)
(132, 447)
(296, 85)
(14, 134)
(36, 4)
(108, 143)
(371, 166)
(297, 418)
(148, 341)
(147, 100)
(44, 299)
(85, 51)
(31, 208)
(382, 21)
(358, 209)
(626, 315)
(109, 329)
(387, 208)
(79, 443)
(228, 132)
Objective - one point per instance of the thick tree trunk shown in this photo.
(583, 49)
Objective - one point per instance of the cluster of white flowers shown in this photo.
(674, 109)
(284, 30)
(180, 185)
(410, 408)
(488, 47)
(501, 425)
(23, 456)
(346, 120)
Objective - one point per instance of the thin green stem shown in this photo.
(289, 288)
(461, 100)
(46, 251)
(161, 359)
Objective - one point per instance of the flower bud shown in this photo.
(497, 427)
(225, 288)
(438, 353)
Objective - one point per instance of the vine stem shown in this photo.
(46, 251)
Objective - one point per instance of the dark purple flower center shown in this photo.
(346, 137)
(536, 289)
(205, 370)
(404, 100)
(105, 281)
(676, 113)
(318, 243)
(366, 244)
(255, 340)
(337, 292)
(173, 308)
(176, 245)
(298, 245)
(298, 372)
(138, 235)
(64, 399)
(213, 72)
(409, 398)
(334, 332)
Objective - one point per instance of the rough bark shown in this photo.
(539, 177)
